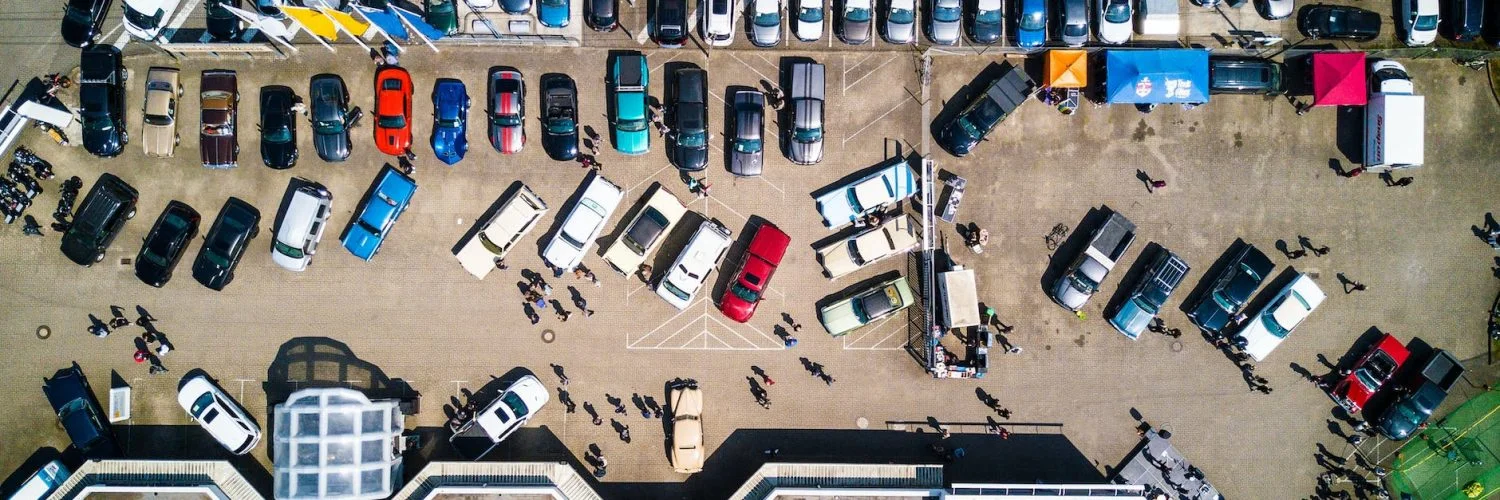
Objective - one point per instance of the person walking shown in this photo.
(1402, 182)
(790, 342)
(97, 327)
(600, 471)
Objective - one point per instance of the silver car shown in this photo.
(765, 23)
(854, 22)
(748, 148)
(900, 21)
(805, 98)
(1075, 22)
(945, 21)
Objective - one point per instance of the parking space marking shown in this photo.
(773, 185)
(716, 96)
(711, 338)
(857, 343)
(669, 59)
(847, 86)
(648, 178)
(118, 26)
(752, 68)
(848, 137)
(726, 207)
(122, 40)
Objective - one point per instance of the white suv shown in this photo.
(1420, 20)
(718, 22)
(301, 227)
(144, 19)
(583, 223)
(701, 255)
(220, 415)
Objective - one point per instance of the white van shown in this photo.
(1157, 17)
(500, 233)
(301, 227)
(718, 22)
(41, 484)
(701, 255)
(645, 232)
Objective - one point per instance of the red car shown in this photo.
(766, 249)
(393, 110)
(1369, 373)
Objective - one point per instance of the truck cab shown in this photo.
(1082, 278)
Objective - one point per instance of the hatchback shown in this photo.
(985, 25)
(1075, 23)
(329, 115)
(718, 22)
(600, 15)
(278, 127)
(1031, 26)
(165, 244)
(854, 25)
(1114, 21)
(900, 21)
(765, 22)
(809, 26)
(225, 243)
(943, 24)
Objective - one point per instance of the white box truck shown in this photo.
(1394, 129)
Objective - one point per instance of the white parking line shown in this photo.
(731, 210)
(182, 15)
(848, 137)
(867, 75)
(716, 96)
(648, 178)
(122, 40)
(773, 185)
(752, 68)
(669, 59)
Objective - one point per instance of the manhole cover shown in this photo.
(548, 336)
(44, 331)
(862, 422)
(1176, 346)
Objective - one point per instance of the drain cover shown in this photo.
(862, 422)
(44, 331)
(548, 336)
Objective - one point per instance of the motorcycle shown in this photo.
(55, 133)
(42, 168)
(32, 227)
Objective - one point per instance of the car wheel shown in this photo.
(97, 259)
(130, 215)
(125, 137)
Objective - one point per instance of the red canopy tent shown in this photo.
(1339, 79)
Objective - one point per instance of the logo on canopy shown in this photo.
(1179, 88)
(1143, 87)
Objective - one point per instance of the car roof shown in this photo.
(298, 218)
(1302, 297)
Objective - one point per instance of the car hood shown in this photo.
(552, 16)
(856, 32)
(692, 159)
(279, 155)
(159, 140)
(807, 153)
(837, 259)
(210, 275)
(956, 139)
(765, 35)
(736, 308)
(77, 34)
(104, 143)
(745, 164)
(516, 6)
(632, 143)
(1257, 341)
(1209, 316)
(986, 32)
(561, 147)
(361, 241)
(332, 147)
(945, 32)
(449, 144)
(1131, 319)
(839, 318)
(507, 139)
(899, 33)
(1030, 38)
(151, 273)
(77, 248)
(1114, 33)
(1068, 296)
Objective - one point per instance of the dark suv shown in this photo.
(671, 23)
(690, 120)
(985, 111)
(1245, 75)
(225, 243)
(101, 97)
(73, 400)
(98, 220)
(1416, 400)
(165, 244)
(1231, 290)
(82, 20)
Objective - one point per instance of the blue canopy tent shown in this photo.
(1158, 76)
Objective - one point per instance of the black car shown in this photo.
(1244, 75)
(101, 97)
(1231, 290)
(671, 23)
(98, 220)
(1416, 399)
(79, 413)
(166, 243)
(601, 15)
(559, 117)
(985, 18)
(1465, 19)
(329, 115)
(237, 224)
(690, 120)
(278, 126)
(82, 21)
(1338, 22)
(985, 111)
(222, 25)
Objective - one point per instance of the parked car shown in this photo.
(1420, 396)
(41, 484)
(376, 215)
(1270, 326)
(986, 111)
(450, 120)
(747, 148)
(883, 187)
(686, 403)
(300, 227)
(500, 233)
(869, 305)
(515, 7)
(98, 220)
(1338, 22)
(441, 14)
(1162, 276)
(602, 15)
(753, 276)
(1230, 290)
(278, 127)
(73, 401)
(901, 21)
(222, 25)
(696, 260)
(671, 23)
(583, 222)
(83, 20)
(329, 116)
(805, 99)
(628, 80)
(1245, 75)
(718, 22)
(238, 223)
(560, 117)
(1075, 23)
(986, 23)
(165, 244)
(690, 120)
(1031, 25)
(159, 113)
(510, 411)
(1107, 244)
(554, 13)
(1390, 77)
(218, 108)
(1466, 19)
(1419, 21)
(854, 23)
(219, 414)
(1369, 374)
(1114, 21)
(393, 91)
(144, 19)
(943, 23)
(809, 27)
(895, 237)
(101, 100)
(765, 22)
(1274, 9)
(659, 213)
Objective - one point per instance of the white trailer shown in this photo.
(1394, 128)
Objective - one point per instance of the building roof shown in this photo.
(336, 443)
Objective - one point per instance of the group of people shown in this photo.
(144, 351)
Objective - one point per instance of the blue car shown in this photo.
(553, 13)
(450, 120)
(516, 6)
(374, 218)
(1031, 26)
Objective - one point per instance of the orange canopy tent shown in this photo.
(1067, 69)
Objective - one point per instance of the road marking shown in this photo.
(648, 178)
(181, 16)
(664, 63)
(773, 185)
(727, 207)
(118, 26)
(122, 40)
(716, 96)
(848, 137)
(847, 86)
(752, 68)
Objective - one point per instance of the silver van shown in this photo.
(301, 226)
(701, 255)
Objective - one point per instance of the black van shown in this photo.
(98, 220)
(1245, 75)
(1465, 19)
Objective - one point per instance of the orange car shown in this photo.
(393, 110)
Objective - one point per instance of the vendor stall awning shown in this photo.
(1067, 69)
(1339, 79)
(1158, 76)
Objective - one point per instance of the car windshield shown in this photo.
(1376, 371)
(202, 403)
(645, 231)
(747, 145)
(902, 16)
(807, 134)
(1425, 23)
(279, 135)
(79, 15)
(449, 124)
(516, 405)
(675, 291)
(560, 126)
(1075, 30)
(744, 292)
(393, 121)
(158, 120)
(632, 125)
(943, 14)
(768, 19)
(98, 123)
(1033, 21)
(1117, 13)
(507, 120)
(857, 15)
(328, 127)
(988, 17)
(810, 14)
(148, 22)
(1083, 283)
(288, 250)
(692, 139)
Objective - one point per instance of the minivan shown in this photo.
(1245, 75)
(701, 255)
(301, 227)
(98, 220)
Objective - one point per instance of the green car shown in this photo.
(869, 305)
(441, 15)
(629, 79)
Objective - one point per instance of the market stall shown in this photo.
(1339, 79)
(1157, 76)
(1067, 72)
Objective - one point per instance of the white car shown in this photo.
(718, 22)
(686, 402)
(901, 21)
(1114, 21)
(144, 19)
(765, 22)
(220, 415)
(583, 223)
(651, 225)
(1390, 77)
(301, 227)
(1419, 18)
(809, 23)
(511, 410)
(701, 255)
(504, 229)
(896, 236)
(1273, 323)
(1274, 9)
